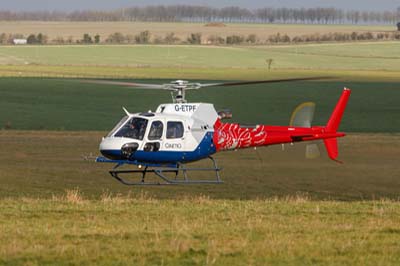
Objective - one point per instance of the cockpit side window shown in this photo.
(156, 130)
(134, 129)
(174, 130)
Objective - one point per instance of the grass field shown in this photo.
(349, 56)
(182, 30)
(275, 207)
(51, 104)
(72, 230)
(371, 62)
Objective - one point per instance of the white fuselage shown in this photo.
(175, 132)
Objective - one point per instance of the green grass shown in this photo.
(71, 230)
(133, 55)
(173, 73)
(349, 56)
(51, 104)
(345, 61)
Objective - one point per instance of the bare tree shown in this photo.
(189, 13)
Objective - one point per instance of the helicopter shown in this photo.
(163, 142)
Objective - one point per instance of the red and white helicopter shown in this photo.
(178, 133)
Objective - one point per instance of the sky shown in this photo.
(70, 5)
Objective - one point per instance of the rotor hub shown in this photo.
(179, 87)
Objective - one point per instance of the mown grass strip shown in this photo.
(59, 104)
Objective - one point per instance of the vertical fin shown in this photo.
(331, 145)
(336, 117)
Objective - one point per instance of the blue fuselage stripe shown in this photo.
(203, 150)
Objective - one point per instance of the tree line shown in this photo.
(145, 37)
(188, 13)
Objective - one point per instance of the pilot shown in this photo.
(133, 130)
(141, 131)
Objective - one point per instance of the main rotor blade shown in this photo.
(261, 81)
(193, 85)
(124, 83)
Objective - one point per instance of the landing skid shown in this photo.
(164, 180)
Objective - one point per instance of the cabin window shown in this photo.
(156, 130)
(174, 130)
(134, 129)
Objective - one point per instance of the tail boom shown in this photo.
(229, 136)
(233, 136)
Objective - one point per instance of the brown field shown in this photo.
(182, 30)
(44, 163)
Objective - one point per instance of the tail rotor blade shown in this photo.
(312, 151)
(303, 115)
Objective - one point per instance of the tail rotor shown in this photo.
(302, 116)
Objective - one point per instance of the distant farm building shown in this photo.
(20, 41)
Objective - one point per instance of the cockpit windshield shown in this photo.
(134, 129)
(120, 123)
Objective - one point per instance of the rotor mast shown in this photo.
(180, 87)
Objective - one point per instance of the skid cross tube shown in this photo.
(164, 180)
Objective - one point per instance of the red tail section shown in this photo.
(229, 136)
(334, 122)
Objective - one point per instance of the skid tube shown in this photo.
(164, 180)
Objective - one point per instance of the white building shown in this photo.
(20, 41)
